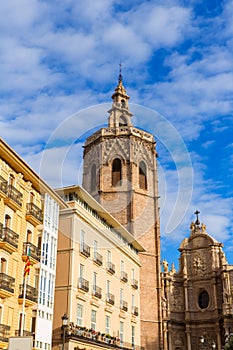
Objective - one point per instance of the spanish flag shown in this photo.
(27, 265)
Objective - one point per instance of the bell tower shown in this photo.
(120, 172)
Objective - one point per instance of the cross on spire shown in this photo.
(120, 75)
(197, 221)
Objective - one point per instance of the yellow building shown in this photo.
(98, 270)
(29, 214)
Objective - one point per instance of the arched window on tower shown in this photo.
(123, 103)
(116, 172)
(122, 121)
(93, 177)
(142, 176)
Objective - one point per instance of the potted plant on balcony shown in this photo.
(108, 338)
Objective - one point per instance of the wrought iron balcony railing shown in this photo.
(110, 298)
(98, 258)
(124, 276)
(97, 292)
(134, 283)
(34, 251)
(7, 284)
(4, 333)
(85, 250)
(35, 211)
(83, 284)
(25, 333)
(111, 267)
(15, 195)
(124, 305)
(3, 185)
(31, 292)
(135, 310)
(9, 236)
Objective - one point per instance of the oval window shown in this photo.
(203, 300)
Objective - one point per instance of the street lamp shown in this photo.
(202, 340)
(64, 325)
(213, 345)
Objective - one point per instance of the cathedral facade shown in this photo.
(197, 300)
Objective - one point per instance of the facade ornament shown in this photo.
(203, 228)
(165, 266)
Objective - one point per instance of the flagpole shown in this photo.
(24, 298)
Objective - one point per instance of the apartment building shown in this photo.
(98, 270)
(29, 214)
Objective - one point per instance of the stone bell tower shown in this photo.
(120, 171)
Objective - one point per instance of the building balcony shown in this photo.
(85, 250)
(134, 283)
(14, 198)
(30, 295)
(111, 267)
(25, 333)
(83, 285)
(124, 276)
(124, 305)
(4, 334)
(97, 292)
(3, 187)
(134, 310)
(93, 339)
(110, 298)
(34, 214)
(98, 258)
(7, 284)
(34, 252)
(8, 239)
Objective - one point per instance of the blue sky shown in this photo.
(60, 58)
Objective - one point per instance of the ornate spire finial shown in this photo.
(120, 75)
(197, 222)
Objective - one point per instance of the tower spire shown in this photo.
(197, 221)
(120, 73)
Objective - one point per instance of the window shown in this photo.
(93, 319)
(122, 266)
(11, 180)
(79, 315)
(123, 103)
(93, 177)
(94, 281)
(82, 238)
(121, 334)
(121, 297)
(29, 236)
(81, 271)
(33, 323)
(3, 265)
(116, 172)
(109, 256)
(95, 249)
(45, 247)
(203, 299)
(142, 176)
(133, 336)
(133, 303)
(122, 121)
(108, 287)
(7, 221)
(107, 324)
(31, 197)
